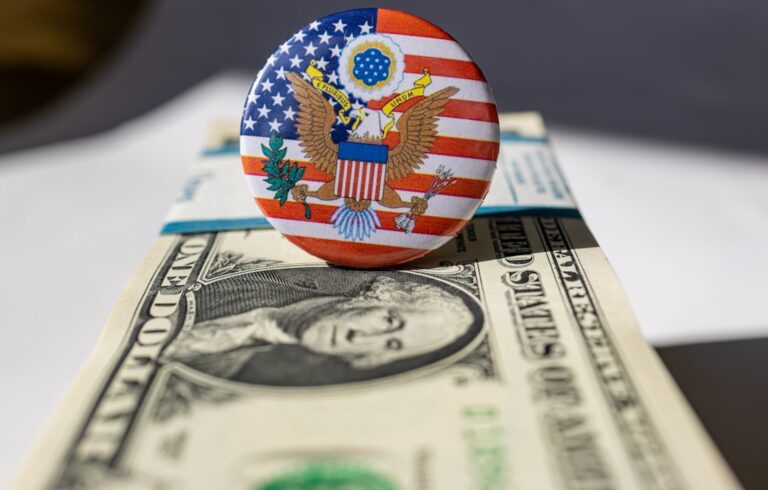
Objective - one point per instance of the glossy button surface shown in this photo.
(369, 138)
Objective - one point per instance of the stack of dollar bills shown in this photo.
(508, 359)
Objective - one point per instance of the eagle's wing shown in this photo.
(418, 129)
(314, 122)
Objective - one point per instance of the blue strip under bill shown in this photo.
(208, 225)
(519, 138)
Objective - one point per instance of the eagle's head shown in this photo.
(371, 125)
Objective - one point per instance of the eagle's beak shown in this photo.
(359, 117)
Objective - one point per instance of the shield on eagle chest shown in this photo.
(361, 171)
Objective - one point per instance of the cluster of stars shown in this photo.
(271, 106)
(371, 66)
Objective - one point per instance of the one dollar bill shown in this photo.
(508, 359)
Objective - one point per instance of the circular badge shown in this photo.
(369, 138)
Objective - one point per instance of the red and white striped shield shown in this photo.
(361, 171)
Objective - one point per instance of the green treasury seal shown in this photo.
(329, 475)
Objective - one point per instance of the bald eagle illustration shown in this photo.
(417, 127)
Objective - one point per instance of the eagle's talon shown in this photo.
(299, 192)
(418, 206)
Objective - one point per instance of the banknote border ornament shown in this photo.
(637, 429)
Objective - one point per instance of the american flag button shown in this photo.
(369, 138)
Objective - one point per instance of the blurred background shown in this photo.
(657, 110)
(689, 70)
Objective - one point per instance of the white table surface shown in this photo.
(686, 229)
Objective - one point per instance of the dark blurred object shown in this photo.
(687, 69)
(725, 383)
(46, 46)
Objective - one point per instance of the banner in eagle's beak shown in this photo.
(318, 81)
(417, 91)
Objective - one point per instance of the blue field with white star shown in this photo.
(270, 105)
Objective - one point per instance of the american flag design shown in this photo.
(361, 171)
(464, 149)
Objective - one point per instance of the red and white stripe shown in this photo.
(462, 167)
(360, 180)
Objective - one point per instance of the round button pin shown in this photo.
(369, 138)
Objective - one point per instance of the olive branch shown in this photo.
(282, 176)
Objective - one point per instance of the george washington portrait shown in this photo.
(315, 326)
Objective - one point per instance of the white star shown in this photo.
(321, 63)
(285, 47)
(333, 103)
(266, 85)
(325, 37)
(299, 36)
(274, 125)
(263, 111)
(281, 73)
(365, 28)
(289, 113)
(278, 99)
(305, 75)
(339, 26)
(349, 38)
(335, 51)
(314, 25)
(271, 60)
(295, 61)
(249, 123)
(310, 49)
(290, 89)
(333, 77)
(357, 105)
(252, 98)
